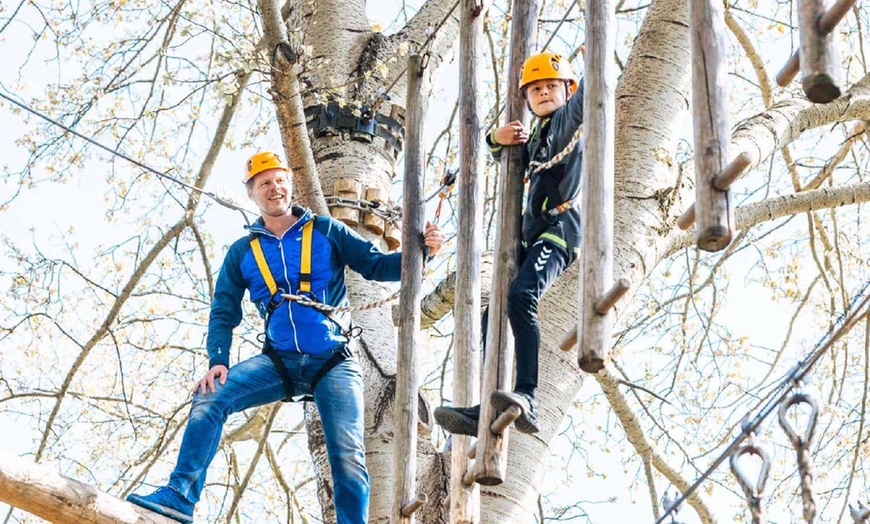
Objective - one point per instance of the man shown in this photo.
(289, 250)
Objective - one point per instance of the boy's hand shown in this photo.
(511, 134)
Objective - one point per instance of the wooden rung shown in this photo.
(827, 23)
(468, 478)
(505, 419)
(687, 219)
(569, 340)
(472, 451)
(789, 71)
(409, 508)
(611, 297)
(732, 171)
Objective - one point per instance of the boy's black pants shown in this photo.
(540, 265)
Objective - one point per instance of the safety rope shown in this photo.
(224, 199)
(537, 167)
(392, 215)
(854, 313)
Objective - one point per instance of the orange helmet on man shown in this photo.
(262, 161)
(546, 66)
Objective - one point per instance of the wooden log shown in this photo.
(371, 221)
(596, 256)
(827, 23)
(687, 219)
(491, 464)
(393, 235)
(405, 410)
(465, 496)
(505, 419)
(347, 188)
(40, 490)
(711, 117)
(411, 507)
(821, 77)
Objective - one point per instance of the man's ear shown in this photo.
(250, 191)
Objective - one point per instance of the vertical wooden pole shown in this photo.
(405, 465)
(599, 117)
(465, 498)
(713, 211)
(819, 59)
(491, 464)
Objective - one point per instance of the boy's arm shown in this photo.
(567, 119)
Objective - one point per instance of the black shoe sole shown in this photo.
(166, 511)
(502, 400)
(455, 423)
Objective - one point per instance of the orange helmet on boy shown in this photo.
(546, 66)
(262, 161)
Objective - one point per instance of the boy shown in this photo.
(551, 225)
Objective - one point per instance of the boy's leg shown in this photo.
(339, 400)
(543, 263)
(250, 383)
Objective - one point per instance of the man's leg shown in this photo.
(250, 383)
(543, 263)
(339, 400)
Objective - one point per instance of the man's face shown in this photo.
(271, 191)
(547, 95)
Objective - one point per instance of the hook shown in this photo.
(799, 398)
(750, 489)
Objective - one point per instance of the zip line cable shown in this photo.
(795, 376)
(220, 200)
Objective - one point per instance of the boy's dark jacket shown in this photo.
(554, 186)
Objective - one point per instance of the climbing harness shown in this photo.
(222, 199)
(855, 312)
(752, 490)
(304, 291)
(801, 444)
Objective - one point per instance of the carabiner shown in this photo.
(752, 490)
(799, 441)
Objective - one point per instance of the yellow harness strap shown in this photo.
(263, 266)
(304, 266)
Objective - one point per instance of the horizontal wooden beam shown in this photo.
(415, 504)
(505, 419)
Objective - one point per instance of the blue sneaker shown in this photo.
(166, 502)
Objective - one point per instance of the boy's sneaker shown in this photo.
(528, 419)
(458, 421)
(166, 502)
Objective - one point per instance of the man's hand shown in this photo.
(207, 382)
(511, 134)
(433, 238)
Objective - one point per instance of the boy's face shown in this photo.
(546, 95)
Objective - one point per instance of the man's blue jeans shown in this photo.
(254, 382)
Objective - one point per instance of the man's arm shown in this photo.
(226, 308)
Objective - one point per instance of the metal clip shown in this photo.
(799, 441)
(861, 514)
(669, 507)
(801, 444)
(751, 490)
